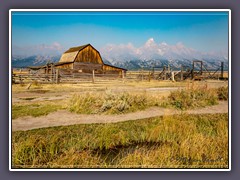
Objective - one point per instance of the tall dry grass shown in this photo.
(195, 97)
(180, 141)
(108, 102)
(115, 103)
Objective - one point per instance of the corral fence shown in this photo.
(24, 76)
(141, 75)
(197, 72)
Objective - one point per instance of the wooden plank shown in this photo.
(93, 76)
(57, 76)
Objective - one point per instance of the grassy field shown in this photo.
(186, 141)
(110, 102)
(176, 141)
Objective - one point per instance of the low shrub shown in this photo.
(191, 98)
(108, 103)
(222, 93)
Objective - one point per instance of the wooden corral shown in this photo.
(198, 71)
(45, 69)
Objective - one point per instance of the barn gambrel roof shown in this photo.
(71, 53)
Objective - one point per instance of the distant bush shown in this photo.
(222, 93)
(191, 98)
(113, 103)
(108, 103)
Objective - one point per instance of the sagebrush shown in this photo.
(108, 103)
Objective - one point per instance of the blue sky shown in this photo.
(203, 31)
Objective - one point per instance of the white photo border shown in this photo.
(119, 10)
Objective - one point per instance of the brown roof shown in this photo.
(115, 66)
(68, 57)
(61, 63)
(78, 48)
(71, 53)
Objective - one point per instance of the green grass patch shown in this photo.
(179, 141)
(34, 110)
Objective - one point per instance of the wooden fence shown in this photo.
(61, 77)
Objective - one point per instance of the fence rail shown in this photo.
(18, 78)
(60, 77)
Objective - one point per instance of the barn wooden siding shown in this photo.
(108, 69)
(85, 53)
(89, 55)
(87, 67)
(64, 66)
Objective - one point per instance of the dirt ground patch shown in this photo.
(64, 118)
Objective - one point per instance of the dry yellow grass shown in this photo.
(182, 141)
(187, 141)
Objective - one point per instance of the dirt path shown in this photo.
(64, 118)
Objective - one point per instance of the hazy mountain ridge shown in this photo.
(154, 54)
(35, 60)
(132, 64)
(151, 54)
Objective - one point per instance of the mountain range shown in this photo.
(151, 54)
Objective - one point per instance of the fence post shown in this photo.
(47, 69)
(20, 79)
(52, 74)
(173, 76)
(13, 81)
(149, 76)
(181, 72)
(93, 76)
(165, 72)
(222, 64)
(193, 70)
(123, 74)
(153, 73)
(57, 76)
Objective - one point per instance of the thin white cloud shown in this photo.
(153, 50)
(41, 49)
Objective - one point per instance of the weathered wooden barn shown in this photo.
(81, 59)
